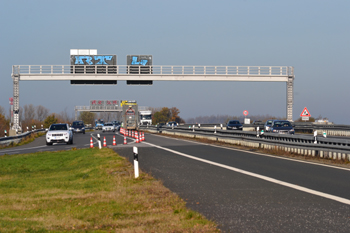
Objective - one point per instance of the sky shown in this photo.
(310, 35)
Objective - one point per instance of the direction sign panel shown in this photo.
(305, 113)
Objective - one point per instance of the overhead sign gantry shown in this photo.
(140, 72)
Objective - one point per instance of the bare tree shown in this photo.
(64, 116)
(2, 111)
(42, 112)
(29, 112)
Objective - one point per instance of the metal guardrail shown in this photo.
(156, 70)
(307, 142)
(17, 138)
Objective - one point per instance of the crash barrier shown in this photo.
(299, 127)
(5, 141)
(308, 145)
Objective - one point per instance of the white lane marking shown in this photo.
(269, 179)
(132, 139)
(1, 151)
(257, 153)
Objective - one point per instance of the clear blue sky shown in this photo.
(312, 36)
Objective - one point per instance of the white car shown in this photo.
(108, 127)
(59, 133)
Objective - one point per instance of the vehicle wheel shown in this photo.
(48, 143)
(84, 132)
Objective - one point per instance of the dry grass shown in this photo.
(88, 190)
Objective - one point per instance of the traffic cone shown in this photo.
(104, 142)
(114, 142)
(133, 134)
(91, 143)
(143, 136)
(137, 137)
(129, 133)
(125, 140)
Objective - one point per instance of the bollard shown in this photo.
(136, 161)
(324, 134)
(172, 126)
(42, 126)
(257, 131)
(5, 133)
(27, 128)
(99, 141)
(199, 126)
(315, 135)
(221, 126)
(215, 129)
(193, 128)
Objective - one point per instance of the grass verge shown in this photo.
(88, 190)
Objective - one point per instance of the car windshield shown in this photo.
(58, 127)
(233, 122)
(109, 124)
(78, 123)
(282, 124)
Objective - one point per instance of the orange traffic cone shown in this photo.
(104, 142)
(125, 140)
(133, 134)
(143, 136)
(137, 137)
(140, 136)
(114, 142)
(91, 143)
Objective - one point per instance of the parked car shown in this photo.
(78, 127)
(282, 127)
(267, 125)
(108, 127)
(59, 133)
(234, 124)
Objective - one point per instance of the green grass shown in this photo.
(87, 190)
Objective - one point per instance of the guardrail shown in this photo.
(333, 148)
(16, 139)
(155, 70)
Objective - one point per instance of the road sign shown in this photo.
(305, 113)
(245, 113)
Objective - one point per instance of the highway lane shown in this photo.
(238, 202)
(79, 141)
(241, 202)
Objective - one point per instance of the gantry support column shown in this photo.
(15, 126)
(290, 84)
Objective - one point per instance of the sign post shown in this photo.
(305, 114)
(246, 120)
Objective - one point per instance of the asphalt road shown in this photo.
(242, 191)
(260, 194)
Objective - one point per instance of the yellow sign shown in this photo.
(125, 102)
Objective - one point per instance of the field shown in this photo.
(88, 190)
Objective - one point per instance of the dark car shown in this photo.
(171, 123)
(282, 127)
(78, 127)
(234, 124)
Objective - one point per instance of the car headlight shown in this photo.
(292, 130)
(275, 131)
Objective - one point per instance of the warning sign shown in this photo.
(305, 113)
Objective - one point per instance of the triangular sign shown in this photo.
(305, 113)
